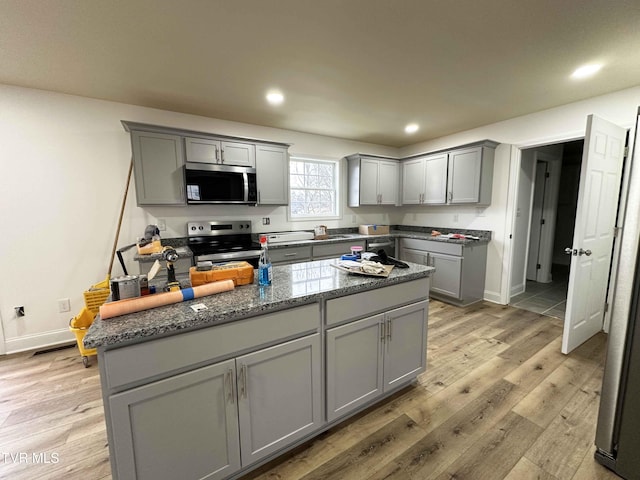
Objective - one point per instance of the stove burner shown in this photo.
(222, 241)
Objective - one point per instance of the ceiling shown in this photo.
(354, 69)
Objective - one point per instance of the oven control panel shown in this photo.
(218, 228)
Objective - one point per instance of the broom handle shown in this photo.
(124, 201)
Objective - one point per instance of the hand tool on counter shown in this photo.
(171, 256)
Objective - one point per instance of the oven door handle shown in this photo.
(379, 245)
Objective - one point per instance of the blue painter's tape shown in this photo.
(187, 294)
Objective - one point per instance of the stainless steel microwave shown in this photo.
(214, 183)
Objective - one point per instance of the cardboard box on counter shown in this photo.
(374, 230)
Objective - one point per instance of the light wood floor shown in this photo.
(498, 401)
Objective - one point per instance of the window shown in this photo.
(313, 186)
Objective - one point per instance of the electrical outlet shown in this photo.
(455, 218)
(353, 219)
(266, 221)
(64, 305)
(162, 224)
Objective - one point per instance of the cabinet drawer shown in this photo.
(335, 249)
(157, 357)
(290, 254)
(367, 303)
(432, 246)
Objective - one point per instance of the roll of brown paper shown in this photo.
(131, 305)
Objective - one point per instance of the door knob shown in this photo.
(584, 252)
(570, 251)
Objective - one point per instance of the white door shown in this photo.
(593, 234)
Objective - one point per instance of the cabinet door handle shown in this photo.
(389, 329)
(228, 380)
(242, 382)
(217, 155)
(450, 194)
(258, 196)
(290, 254)
(381, 327)
(222, 154)
(245, 381)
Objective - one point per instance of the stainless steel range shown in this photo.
(223, 241)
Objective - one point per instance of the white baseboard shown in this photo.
(518, 289)
(39, 341)
(493, 297)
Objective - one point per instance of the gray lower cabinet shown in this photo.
(449, 282)
(279, 396)
(210, 422)
(354, 365)
(286, 255)
(180, 427)
(405, 344)
(157, 160)
(460, 269)
(369, 357)
(335, 250)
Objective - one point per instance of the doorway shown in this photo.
(547, 201)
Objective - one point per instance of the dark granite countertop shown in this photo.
(423, 233)
(293, 285)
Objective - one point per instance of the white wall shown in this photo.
(64, 166)
(523, 220)
(555, 125)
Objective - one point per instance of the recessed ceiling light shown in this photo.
(411, 128)
(275, 98)
(586, 70)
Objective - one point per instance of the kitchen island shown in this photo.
(218, 392)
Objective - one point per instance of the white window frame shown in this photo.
(337, 189)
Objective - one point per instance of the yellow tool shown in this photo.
(171, 256)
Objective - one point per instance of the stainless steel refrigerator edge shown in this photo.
(608, 429)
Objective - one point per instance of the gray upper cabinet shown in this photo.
(272, 174)
(158, 172)
(185, 426)
(279, 396)
(372, 180)
(205, 150)
(424, 180)
(159, 155)
(461, 176)
(468, 168)
(435, 180)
